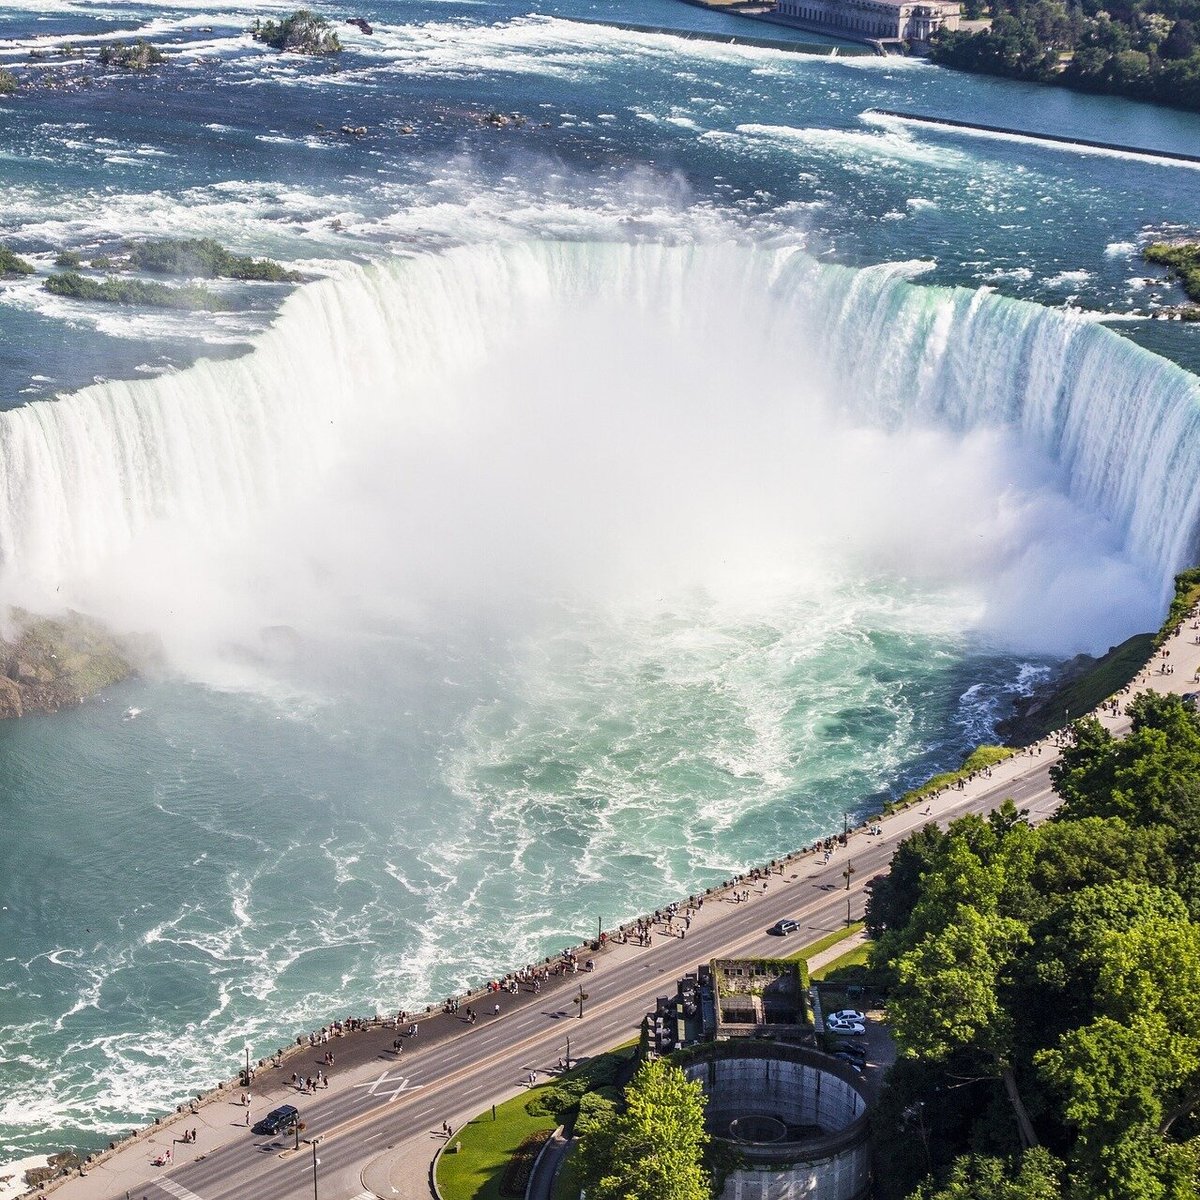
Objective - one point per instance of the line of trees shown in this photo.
(1045, 983)
(1144, 49)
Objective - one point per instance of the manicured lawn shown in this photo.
(852, 958)
(830, 939)
(475, 1172)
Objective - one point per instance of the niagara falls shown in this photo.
(647, 462)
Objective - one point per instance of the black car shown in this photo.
(278, 1120)
(784, 927)
(851, 1048)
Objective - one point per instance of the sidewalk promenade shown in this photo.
(380, 1117)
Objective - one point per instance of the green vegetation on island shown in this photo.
(13, 264)
(1182, 260)
(111, 290)
(8, 83)
(205, 258)
(137, 56)
(1143, 49)
(304, 32)
(1045, 983)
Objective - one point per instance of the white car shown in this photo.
(845, 1027)
(848, 1014)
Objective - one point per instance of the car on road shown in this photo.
(784, 927)
(845, 1028)
(848, 1014)
(279, 1120)
(855, 1064)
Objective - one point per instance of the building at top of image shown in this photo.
(874, 20)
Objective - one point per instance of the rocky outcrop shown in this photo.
(50, 663)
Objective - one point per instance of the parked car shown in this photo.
(853, 1063)
(784, 927)
(279, 1120)
(853, 1048)
(846, 1028)
(848, 1014)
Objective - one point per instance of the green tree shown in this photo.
(652, 1150)
(1036, 1175)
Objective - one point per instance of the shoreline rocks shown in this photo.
(50, 663)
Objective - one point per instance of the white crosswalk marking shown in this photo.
(176, 1189)
(365, 1196)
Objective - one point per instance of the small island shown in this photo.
(111, 290)
(138, 56)
(1182, 260)
(191, 258)
(8, 83)
(206, 258)
(304, 32)
(13, 264)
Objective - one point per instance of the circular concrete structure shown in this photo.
(757, 1130)
(797, 1118)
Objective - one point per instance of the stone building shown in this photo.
(882, 20)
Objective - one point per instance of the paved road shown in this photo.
(381, 1120)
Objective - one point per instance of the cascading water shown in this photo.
(200, 453)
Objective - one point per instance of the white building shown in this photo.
(914, 20)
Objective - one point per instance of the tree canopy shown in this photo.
(1045, 983)
(653, 1148)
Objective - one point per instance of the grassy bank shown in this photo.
(977, 760)
(489, 1147)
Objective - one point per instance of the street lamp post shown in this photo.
(568, 1051)
(315, 1143)
(845, 822)
(247, 1064)
(847, 912)
(580, 999)
(847, 873)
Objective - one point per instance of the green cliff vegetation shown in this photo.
(1182, 260)
(1144, 49)
(137, 56)
(1045, 983)
(13, 264)
(191, 297)
(205, 258)
(8, 83)
(304, 32)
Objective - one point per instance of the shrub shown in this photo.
(134, 291)
(304, 32)
(13, 264)
(8, 83)
(68, 259)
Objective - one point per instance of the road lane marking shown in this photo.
(175, 1189)
(401, 1082)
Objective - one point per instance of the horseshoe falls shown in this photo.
(625, 493)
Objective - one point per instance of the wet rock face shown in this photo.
(49, 663)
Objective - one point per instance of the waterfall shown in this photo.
(195, 454)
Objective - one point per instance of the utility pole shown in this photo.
(599, 927)
(847, 912)
(845, 822)
(314, 1143)
(247, 1064)
(568, 1051)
